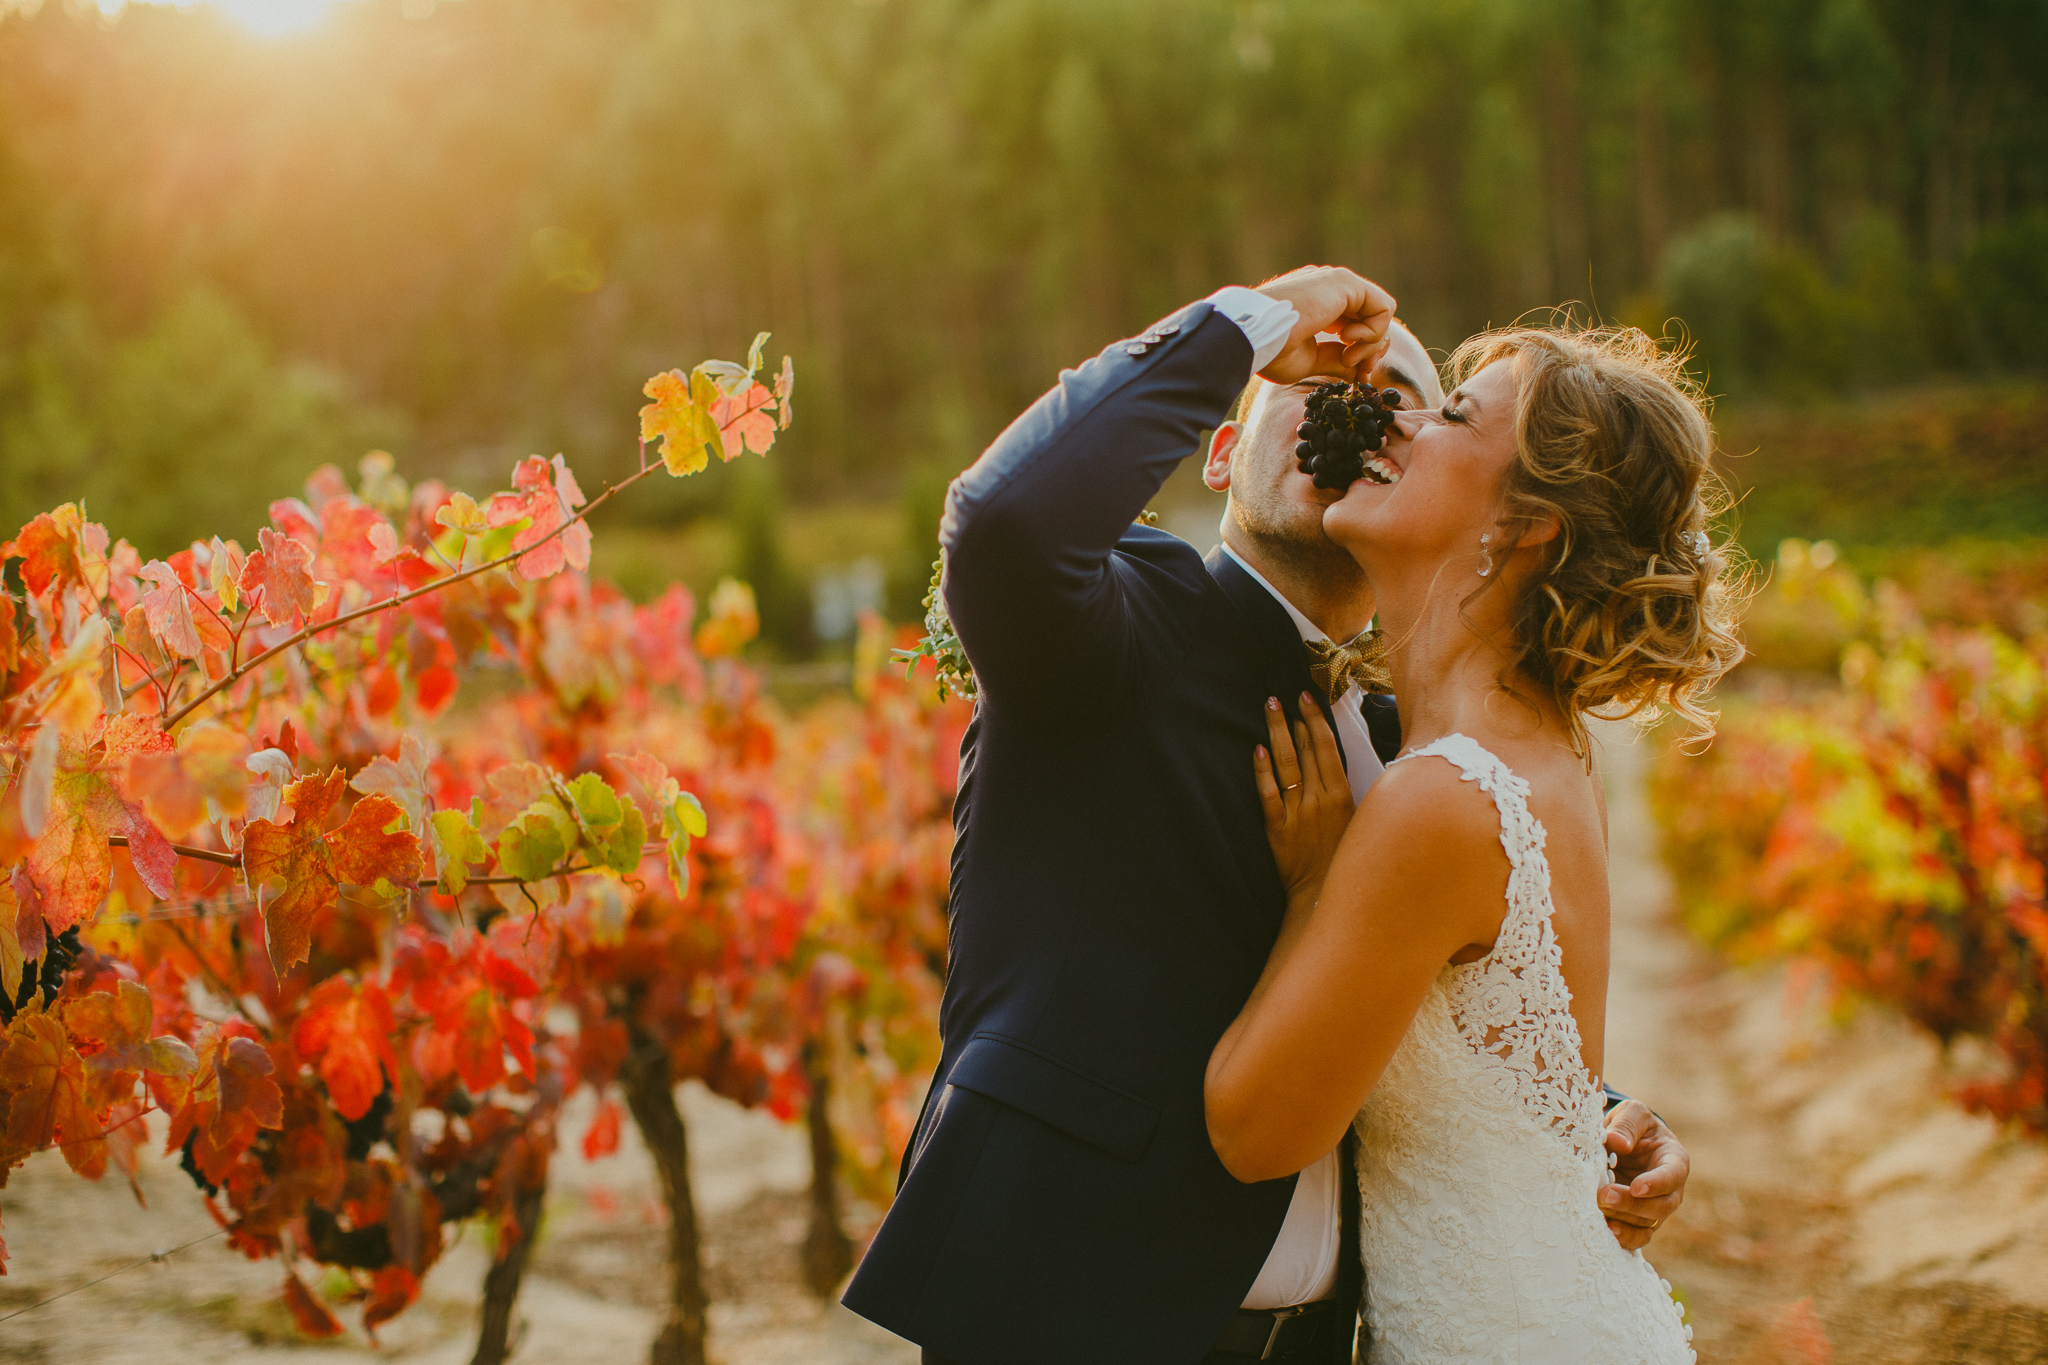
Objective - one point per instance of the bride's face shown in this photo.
(1449, 466)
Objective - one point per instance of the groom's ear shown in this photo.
(1216, 468)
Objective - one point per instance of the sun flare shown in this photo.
(275, 18)
(264, 18)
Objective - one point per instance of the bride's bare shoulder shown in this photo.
(1429, 800)
(1431, 838)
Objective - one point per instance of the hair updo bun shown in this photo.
(1633, 611)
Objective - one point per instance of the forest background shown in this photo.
(466, 231)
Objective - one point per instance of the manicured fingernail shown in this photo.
(1307, 700)
(1610, 1199)
(1259, 752)
(1639, 1189)
(1272, 703)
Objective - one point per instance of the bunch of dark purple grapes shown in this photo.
(1343, 424)
(60, 952)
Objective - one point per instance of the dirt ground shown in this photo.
(592, 1292)
(1840, 1208)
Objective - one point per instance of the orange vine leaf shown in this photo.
(61, 547)
(116, 1024)
(51, 1100)
(312, 865)
(71, 863)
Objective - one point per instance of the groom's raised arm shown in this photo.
(1031, 584)
(1030, 527)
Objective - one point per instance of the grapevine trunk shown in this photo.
(828, 1251)
(501, 1285)
(651, 1097)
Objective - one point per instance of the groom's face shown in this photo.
(1271, 500)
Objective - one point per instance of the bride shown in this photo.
(1538, 551)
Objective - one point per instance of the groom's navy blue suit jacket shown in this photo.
(1113, 895)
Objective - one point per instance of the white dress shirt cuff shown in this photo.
(1266, 322)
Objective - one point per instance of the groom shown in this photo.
(1113, 895)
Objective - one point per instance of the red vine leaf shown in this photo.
(233, 1094)
(470, 1000)
(71, 864)
(744, 420)
(12, 959)
(345, 1031)
(546, 493)
(392, 1290)
(308, 1312)
(10, 637)
(168, 610)
(278, 579)
(603, 1137)
(244, 1072)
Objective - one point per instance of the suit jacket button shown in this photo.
(1136, 348)
(1168, 330)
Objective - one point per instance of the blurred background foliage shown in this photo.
(464, 232)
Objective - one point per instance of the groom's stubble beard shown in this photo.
(1288, 534)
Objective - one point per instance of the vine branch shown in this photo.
(312, 628)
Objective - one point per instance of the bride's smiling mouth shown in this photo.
(1381, 471)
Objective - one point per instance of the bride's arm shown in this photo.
(1417, 877)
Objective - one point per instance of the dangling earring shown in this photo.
(1486, 550)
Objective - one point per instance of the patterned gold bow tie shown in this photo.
(1337, 668)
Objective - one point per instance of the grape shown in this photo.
(367, 1131)
(46, 974)
(1342, 423)
(190, 1165)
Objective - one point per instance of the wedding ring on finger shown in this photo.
(1290, 788)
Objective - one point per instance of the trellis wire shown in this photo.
(153, 1258)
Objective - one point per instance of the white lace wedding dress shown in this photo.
(1481, 1153)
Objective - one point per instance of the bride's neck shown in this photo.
(1445, 655)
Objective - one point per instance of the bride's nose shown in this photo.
(1409, 421)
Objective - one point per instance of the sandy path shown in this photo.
(591, 1294)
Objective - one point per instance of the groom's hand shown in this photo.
(1329, 298)
(1652, 1166)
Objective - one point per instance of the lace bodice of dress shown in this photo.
(1481, 1154)
(1513, 1006)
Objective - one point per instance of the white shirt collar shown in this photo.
(1301, 623)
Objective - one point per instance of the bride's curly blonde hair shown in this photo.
(1633, 612)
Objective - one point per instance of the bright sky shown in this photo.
(264, 18)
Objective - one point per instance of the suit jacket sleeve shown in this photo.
(1040, 601)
